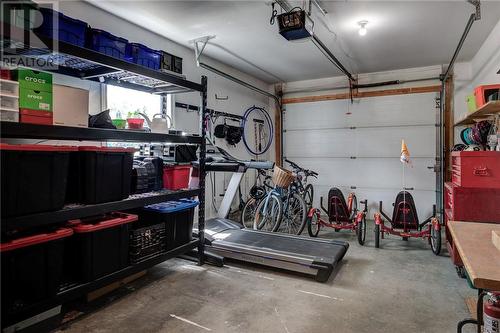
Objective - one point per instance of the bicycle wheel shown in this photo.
(248, 213)
(361, 231)
(268, 216)
(294, 215)
(309, 195)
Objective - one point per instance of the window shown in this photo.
(122, 102)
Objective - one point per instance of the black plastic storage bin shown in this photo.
(31, 269)
(147, 242)
(34, 178)
(171, 63)
(99, 247)
(104, 174)
(177, 216)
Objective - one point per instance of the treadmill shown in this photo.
(311, 256)
(229, 239)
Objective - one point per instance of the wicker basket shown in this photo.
(282, 177)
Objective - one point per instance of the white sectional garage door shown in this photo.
(360, 151)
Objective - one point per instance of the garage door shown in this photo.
(356, 147)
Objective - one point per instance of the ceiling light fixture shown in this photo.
(362, 27)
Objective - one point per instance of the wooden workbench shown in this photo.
(480, 257)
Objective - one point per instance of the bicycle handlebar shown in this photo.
(297, 167)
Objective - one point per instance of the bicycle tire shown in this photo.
(313, 225)
(270, 219)
(293, 227)
(248, 213)
(309, 195)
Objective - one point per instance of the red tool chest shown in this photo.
(474, 193)
(478, 169)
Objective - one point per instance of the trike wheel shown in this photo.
(377, 236)
(435, 240)
(313, 224)
(361, 231)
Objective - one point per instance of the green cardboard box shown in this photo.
(34, 80)
(471, 103)
(35, 99)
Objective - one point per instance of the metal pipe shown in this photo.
(323, 48)
(472, 18)
(347, 87)
(240, 82)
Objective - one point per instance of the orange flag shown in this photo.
(405, 154)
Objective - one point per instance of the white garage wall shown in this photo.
(323, 136)
(240, 98)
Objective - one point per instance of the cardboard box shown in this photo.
(35, 99)
(34, 80)
(71, 106)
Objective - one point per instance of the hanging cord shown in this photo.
(269, 122)
(274, 13)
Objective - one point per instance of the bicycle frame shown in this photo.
(276, 191)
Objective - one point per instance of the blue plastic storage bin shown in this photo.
(172, 206)
(104, 42)
(144, 56)
(65, 29)
(178, 218)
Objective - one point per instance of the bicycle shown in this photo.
(284, 200)
(257, 193)
(306, 191)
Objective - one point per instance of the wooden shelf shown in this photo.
(484, 112)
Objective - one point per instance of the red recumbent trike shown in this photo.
(404, 223)
(340, 215)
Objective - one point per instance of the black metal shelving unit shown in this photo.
(90, 65)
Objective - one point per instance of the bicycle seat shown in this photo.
(337, 206)
(404, 215)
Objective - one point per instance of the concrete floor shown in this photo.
(401, 287)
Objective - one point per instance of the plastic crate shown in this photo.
(99, 247)
(32, 269)
(176, 177)
(171, 63)
(7, 115)
(104, 42)
(144, 56)
(176, 214)
(34, 178)
(147, 242)
(104, 174)
(482, 93)
(64, 28)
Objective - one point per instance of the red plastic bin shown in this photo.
(32, 269)
(176, 177)
(481, 93)
(99, 247)
(476, 169)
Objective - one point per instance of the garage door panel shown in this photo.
(415, 109)
(387, 142)
(317, 143)
(340, 171)
(325, 114)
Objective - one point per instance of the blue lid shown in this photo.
(172, 206)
